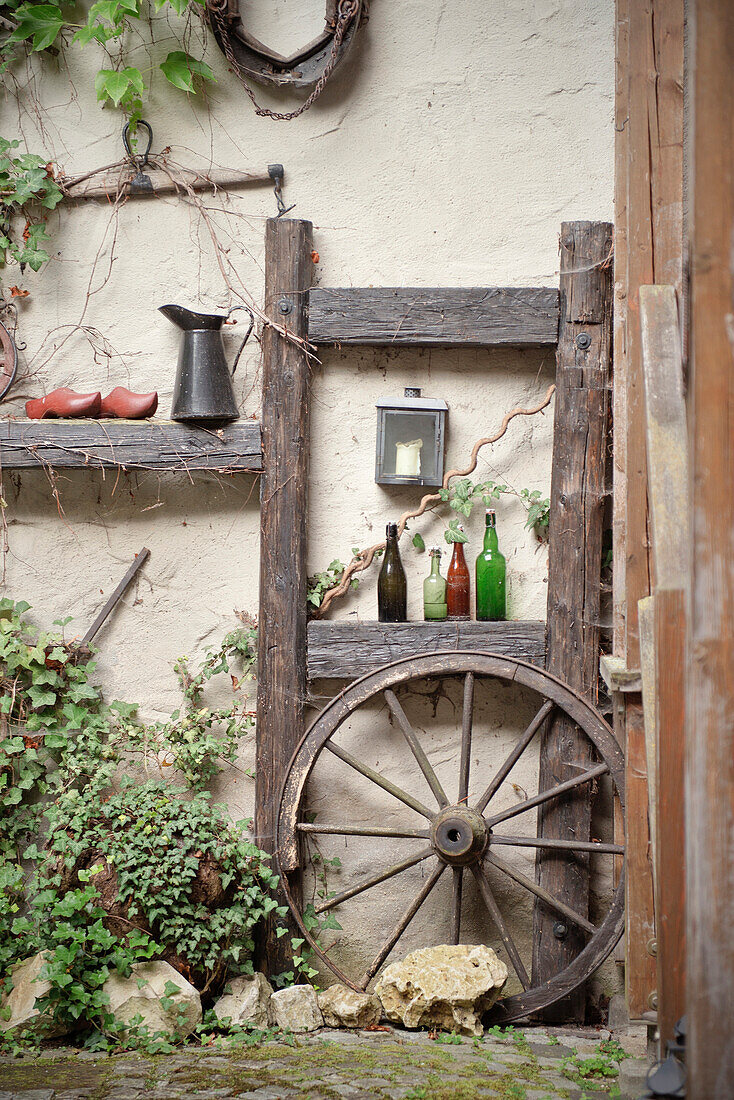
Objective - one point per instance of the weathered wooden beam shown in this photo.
(120, 182)
(667, 472)
(640, 961)
(345, 650)
(710, 642)
(649, 247)
(130, 444)
(574, 575)
(444, 317)
(283, 510)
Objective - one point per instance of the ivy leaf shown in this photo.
(418, 542)
(115, 86)
(39, 22)
(180, 68)
(41, 698)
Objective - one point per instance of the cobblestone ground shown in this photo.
(522, 1064)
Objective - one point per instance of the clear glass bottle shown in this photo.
(434, 590)
(491, 575)
(458, 585)
(392, 587)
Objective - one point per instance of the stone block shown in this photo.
(28, 988)
(143, 994)
(448, 987)
(296, 1009)
(247, 1002)
(345, 1007)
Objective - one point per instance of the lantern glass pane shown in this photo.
(410, 444)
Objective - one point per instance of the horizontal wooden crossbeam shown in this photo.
(130, 444)
(435, 317)
(344, 651)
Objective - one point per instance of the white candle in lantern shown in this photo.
(408, 458)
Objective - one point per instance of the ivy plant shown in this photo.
(462, 495)
(111, 848)
(40, 27)
(28, 191)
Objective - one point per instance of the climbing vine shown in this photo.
(111, 849)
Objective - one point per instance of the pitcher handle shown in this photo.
(247, 334)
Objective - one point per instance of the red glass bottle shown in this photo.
(458, 585)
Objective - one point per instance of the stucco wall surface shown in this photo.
(446, 151)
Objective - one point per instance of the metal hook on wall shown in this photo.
(275, 171)
(139, 182)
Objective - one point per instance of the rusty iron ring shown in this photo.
(8, 360)
(507, 669)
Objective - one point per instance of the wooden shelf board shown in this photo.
(346, 650)
(427, 316)
(130, 444)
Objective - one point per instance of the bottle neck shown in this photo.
(490, 538)
(458, 555)
(435, 563)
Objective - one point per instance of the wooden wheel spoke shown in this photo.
(515, 755)
(558, 845)
(402, 924)
(375, 880)
(489, 900)
(540, 892)
(456, 905)
(362, 830)
(379, 780)
(416, 748)
(545, 796)
(467, 718)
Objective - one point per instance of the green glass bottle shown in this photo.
(491, 571)
(434, 590)
(392, 587)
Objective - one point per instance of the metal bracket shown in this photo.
(276, 173)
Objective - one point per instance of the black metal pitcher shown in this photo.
(203, 389)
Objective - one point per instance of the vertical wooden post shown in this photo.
(710, 688)
(667, 466)
(283, 612)
(574, 575)
(649, 220)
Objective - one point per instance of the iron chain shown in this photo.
(346, 12)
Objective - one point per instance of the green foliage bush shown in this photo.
(111, 849)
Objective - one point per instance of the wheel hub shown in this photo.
(459, 835)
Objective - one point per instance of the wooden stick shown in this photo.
(140, 558)
(114, 181)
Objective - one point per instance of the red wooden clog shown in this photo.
(127, 405)
(64, 403)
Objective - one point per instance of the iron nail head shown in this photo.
(583, 341)
(560, 930)
(285, 305)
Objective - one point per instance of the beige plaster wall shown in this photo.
(447, 150)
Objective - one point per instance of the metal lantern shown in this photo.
(411, 435)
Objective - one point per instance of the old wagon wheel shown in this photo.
(461, 832)
(8, 360)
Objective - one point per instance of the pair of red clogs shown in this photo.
(65, 403)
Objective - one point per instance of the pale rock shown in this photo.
(345, 1007)
(448, 987)
(143, 992)
(27, 989)
(296, 1009)
(247, 1002)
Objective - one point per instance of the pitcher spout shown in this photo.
(189, 321)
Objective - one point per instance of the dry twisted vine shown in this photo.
(364, 559)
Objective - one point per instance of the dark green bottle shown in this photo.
(491, 570)
(392, 588)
